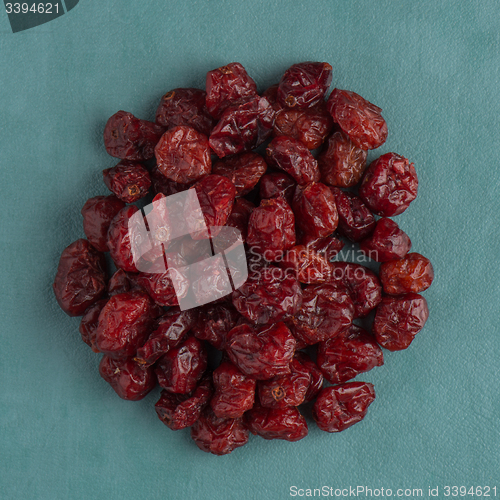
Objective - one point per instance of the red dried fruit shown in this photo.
(398, 319)
(261, 352)
(160, 288)
(268, 295)
(214, 322)
(243, 170)
(185, 107)
(80, 279)
(294, 158)
(327, 247)
(234, 391)
(160, 184)
(413, 273)
(355, 219)
(242, 127)
(240, 215)
(180, 369)
(226, 86)
(305, 84)
(219, 436)
(98, 212)
(183, 154)
(179, 411)
(358, 118)
(89, 322)
(310, 366)
(341, 163)
(128, 379)
(276, 423)
(128, 138)
(339, 407)
(271, 229)
(125, 323)
(354, 351)
(389, 185)
(277, 184)
(315, 210)
(122, 282)
(306, 265)
(128, 180)
(387, 242)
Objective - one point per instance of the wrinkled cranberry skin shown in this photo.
(240, 215)
(286, 390)
(180, 369)
(293, 157)
(185, 107)
(80, 279)
(242, 127)
(305, 84)
(89, 322)
(310, 366)
(160, 288)
(234, 392)
(358, 118)
(327, 247)
(226, 86)
(218, 436)
(128, 379)
(170, 330)
(413, 273)
(125, 323)
(268, 295)
(389, 185)
(160, 184)
(277, 184)
(243, 170)
(122, 282)
(128, 180)
(214, 322)
(362, 284)
(128, 138)
(263, 352)
(398, 319)
(183, 155)
(356, 222)
(354, 351)
(306, 265)
(339, 407)
(271, 229)
(98, 212)
(315, 210)
(387, 242)
(326, 311)
(179, 411)
(341, 163)
(276, 423)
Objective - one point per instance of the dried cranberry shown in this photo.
(387, 242)
(315, 210)
(327, 247)
(271, 229)
(234, 391)
(183, 154)
(277, 184)
(81, 278)
(180, 369)
(240, 215)
(89, 322)
(398, 319)
(339, 407)
(128, 180)
(261, 352)
(341, 163)
(160, 288)
(276, 423)
(219, 436)
(214, 322)
(305, 84)
(98, 212)
(165, 186)
(354, 351)
(310, 367)
(185, 107)
(306, 265)
(242, 127)
(122, 282)
(179, 411)
(125, 323)
(128, 138)
(128, 379)
(358, 118)
(269, 294)
(227, 85)
(294, 158)
(413, 273)
(389, 185)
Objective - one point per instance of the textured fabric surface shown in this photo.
(434, 68)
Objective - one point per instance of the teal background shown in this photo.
(434, 67)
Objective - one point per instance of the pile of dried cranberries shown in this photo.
(294, 210)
